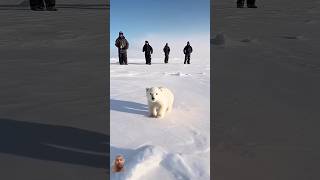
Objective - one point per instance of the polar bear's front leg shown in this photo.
(152, 111)
(161, 112)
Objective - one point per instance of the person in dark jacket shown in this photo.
(250, 3)
(122, 44)
(166, 51)
(187, 52)
(38, 5)
(147, 49)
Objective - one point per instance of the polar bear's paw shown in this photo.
(160, 116)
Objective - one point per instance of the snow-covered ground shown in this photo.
(175, 147)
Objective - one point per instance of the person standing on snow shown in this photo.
(250, 3)
(187, 52)
(166, 51)
(122, 45)
(147, 49)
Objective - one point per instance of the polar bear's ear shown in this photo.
(147, 89)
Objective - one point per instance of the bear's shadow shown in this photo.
(128, 107)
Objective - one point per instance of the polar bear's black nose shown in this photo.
(152, 98)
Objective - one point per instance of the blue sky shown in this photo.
(159, 20)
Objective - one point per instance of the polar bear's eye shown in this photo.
(150, 94)
(156, 93)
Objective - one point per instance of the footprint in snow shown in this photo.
(178, 167)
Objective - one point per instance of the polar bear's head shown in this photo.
(153, 94)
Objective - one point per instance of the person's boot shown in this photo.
(52, 8)
(50, 5)
(240, 3)
(251, 4)
(36, 5)
(37, 8)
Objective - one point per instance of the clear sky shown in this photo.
(161, 21)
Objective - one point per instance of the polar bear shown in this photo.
(160, 101)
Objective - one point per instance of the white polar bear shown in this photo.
(160, 101)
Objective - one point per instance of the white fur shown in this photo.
(162, 102)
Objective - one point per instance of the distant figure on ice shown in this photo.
(38, 5)
(122, 45)
(187, 52)
(147, 49)
(166, 51)
(250, 3)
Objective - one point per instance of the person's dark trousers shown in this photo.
(40, 3)
(240, 3)
(123, 58)
(120, 58)
(187, 59)
(148, 58)
(166, 58)
(250, 3)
